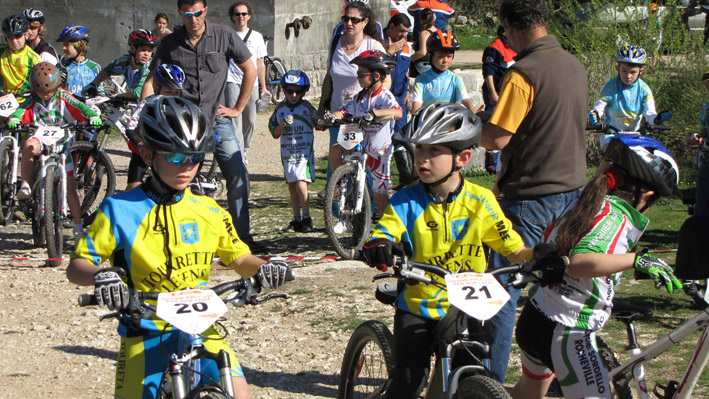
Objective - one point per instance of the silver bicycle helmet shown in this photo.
(631, 55)
(174, 124)
(33, 14)
(451, 125)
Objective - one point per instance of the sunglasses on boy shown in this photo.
(179, 159)
(193, 14)
(296, 91)
(354, 20)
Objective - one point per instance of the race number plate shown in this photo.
(349, 136)
(477, 294)
(8, 105)
(49, 134)
(191, 311)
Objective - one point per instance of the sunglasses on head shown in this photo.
(354, 20)
(239, 14)
(193, 14)
(294, 91)
(179, 159)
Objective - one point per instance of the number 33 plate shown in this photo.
(349, 136)
(479, 295)
(191, 311)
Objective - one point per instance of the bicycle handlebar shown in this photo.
(645, 128)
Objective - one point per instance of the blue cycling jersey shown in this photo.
(625, 105)
(445, 87)
(79, 74)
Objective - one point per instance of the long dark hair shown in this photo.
(427, 18)
(370, 29)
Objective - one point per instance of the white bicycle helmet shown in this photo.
(631, 55)
(451, 125)
(365, 2)
(33, 14)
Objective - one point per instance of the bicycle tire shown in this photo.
(206, 392)
(480, 387)
(404, 165)
(94, 176)
(346, 243)
(367, 363)
(7, 186)
(621, 382)
(54, 230)
(274, 72)
(38, 233)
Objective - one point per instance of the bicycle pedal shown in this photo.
(668, 391)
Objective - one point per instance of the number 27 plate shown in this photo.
(191, 311)
(478, 294)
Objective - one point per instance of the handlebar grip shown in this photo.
(87, 300)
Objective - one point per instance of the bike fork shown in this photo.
(361, 181)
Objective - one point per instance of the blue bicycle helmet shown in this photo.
(74, 33)
(171, 76)
(296, 78)
(631, 55)
(646, 160)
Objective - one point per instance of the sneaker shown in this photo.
(25, 193)
(341, 227)
(295, 225)
(307, 225)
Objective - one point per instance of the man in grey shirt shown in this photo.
(203, 51)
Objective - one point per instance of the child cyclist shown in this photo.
(292, 121)
(373, 101)
(49, 106)
(134, 66)
(556, 330)
(35, 36)
(79, 70)
(442, 220)
(169, 80)
(163, 238)
(626, 98)
(439, 85)
(18, 59)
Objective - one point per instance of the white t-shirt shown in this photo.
(344, 74)
(377, 137)
(256, 46)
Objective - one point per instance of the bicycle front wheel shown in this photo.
(621, 382)
(53, 216)
(7, 186)
(38, 231)
(274, 72)
(94, 176)
(346, 227)
(368, 362)
(480, 387)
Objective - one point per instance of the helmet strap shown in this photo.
(161, 191)
(453, 171)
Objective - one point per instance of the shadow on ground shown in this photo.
(87, 350)
(316, 383)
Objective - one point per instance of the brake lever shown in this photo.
(383, 275)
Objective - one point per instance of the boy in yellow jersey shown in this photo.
(17, 60)
(164, 239)
(443, 220)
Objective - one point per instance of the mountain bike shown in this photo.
(368, 360)
(191, 312)
(275, 70)
(208, 180)
(621, 375)
(594, 154)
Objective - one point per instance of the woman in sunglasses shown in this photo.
(240, 13)
(341, 84)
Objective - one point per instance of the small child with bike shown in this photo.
(372, 102)
(626, 98)
(79, 70)
(49, 106)
(17, 59)
(292, 121)
(168, 80)
(134, 66)
(439, 85)
(557, 328)
(163, 238)
(442, 220)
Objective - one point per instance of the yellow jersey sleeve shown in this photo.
(516, 98)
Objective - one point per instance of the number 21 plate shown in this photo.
(478, 294)
(191, 311)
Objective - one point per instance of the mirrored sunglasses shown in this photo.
(193, 14)
(178, 159)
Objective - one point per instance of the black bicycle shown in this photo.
(275, 70)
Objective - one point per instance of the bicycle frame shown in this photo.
(694, 368)
(358, 158)
(59, 162)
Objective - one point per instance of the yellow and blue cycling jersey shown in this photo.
(451, 238)
(135, 232)
(15, 67)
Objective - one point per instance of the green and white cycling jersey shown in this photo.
(134, 78)
(586, 303)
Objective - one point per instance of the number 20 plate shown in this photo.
(349, 136)
(191, 311)
(478, 294)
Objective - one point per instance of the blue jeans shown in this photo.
(333, 139)
(701, 196)
(228, 156)
(530, 216)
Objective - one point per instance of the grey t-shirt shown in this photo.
(205, 66)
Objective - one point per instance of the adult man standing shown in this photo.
(203, 51)
(539, 125)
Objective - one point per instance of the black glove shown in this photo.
(110, 290)
(329, 118)
(89, 91)
(274, 274)
(378, 253)
(550, 263)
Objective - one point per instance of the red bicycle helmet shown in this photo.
(142, 37)
(375, 60)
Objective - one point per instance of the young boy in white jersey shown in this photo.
(439, 85)
(293, 121)
(374, 101)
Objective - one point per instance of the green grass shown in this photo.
(473, 38)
